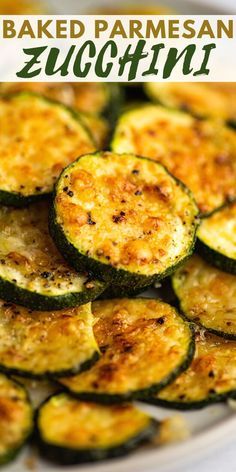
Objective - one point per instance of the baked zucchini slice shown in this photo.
(70, 431)
(16, 418)
(123, 217)
(207, 296)
(200, 153)
(217, 238)
(145, 344)
(208, 100)
(209, 379)
(32, 271)
(44, 344)
(38, 138)
(95, 98)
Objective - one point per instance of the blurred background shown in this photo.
(116, 7)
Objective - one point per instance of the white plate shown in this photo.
(209, 427)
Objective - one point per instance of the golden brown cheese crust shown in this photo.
(142, 340)
(39, 343)
(218, 231)
(16, 418)
(200, 153)
(29, 257)
(211, 374)
(212, 100)
(207, 295)
(37, 140)
(66, 422)
(85, 96)
(126, 212)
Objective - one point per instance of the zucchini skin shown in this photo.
(212, 399)
(13, 293)
(215, 258)
(51, 375)
(107, 272)
(69, 456)
(19, 201)
(12, 454)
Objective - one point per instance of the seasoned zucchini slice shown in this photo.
(123, 217)
(207, 296)
(95, 98)
(217, 238)
(38, 138)
(32, 271)
(16, 418)
(209, 379)
(210, 100)
(71, 431)
(145, 345)
(202, 154)
(45, 344)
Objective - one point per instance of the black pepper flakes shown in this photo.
(160, 320)
(90, 221)
(138, 192)
(70, 193)
(119, 218)
(135, 171)
(45, 275)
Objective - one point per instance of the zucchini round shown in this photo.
(43, 345)
(207, 296)
(145, 344)
(38, 138)
(16, 418)
(208, 100)
(125, 218)
(200, 153)
(209, 379)
(95, 98)
(32, 271)
(217, 238)
(71, 432)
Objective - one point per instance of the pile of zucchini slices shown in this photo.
(87, 224)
